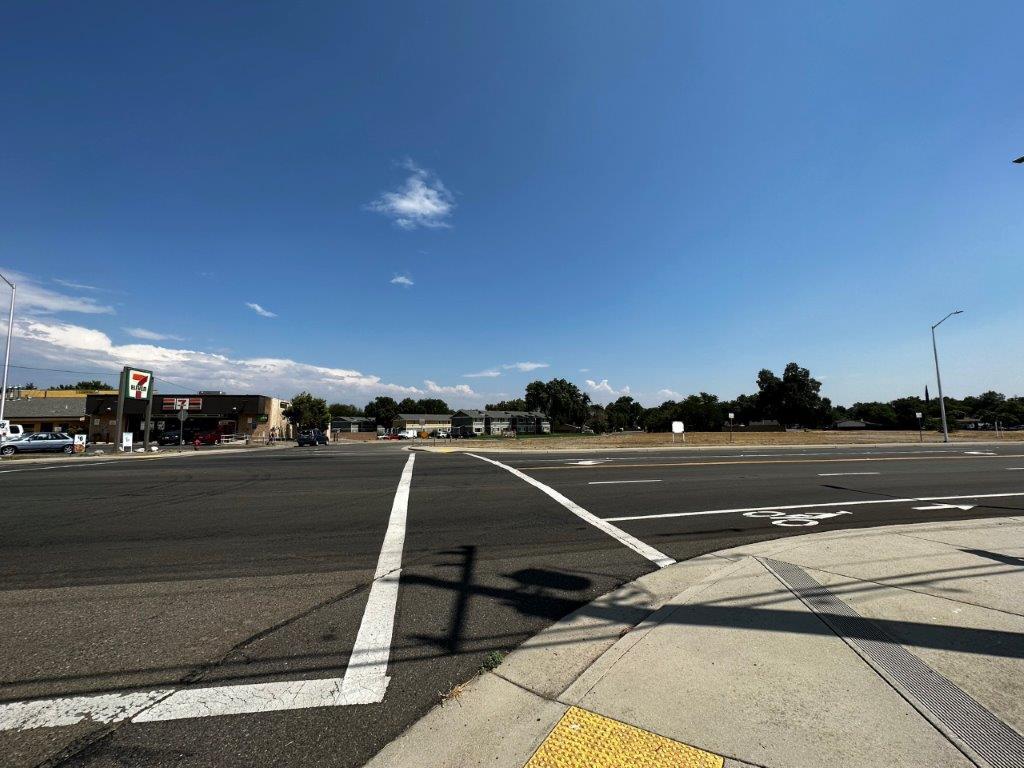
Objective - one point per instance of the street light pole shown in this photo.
(938, 376)
(7, 354)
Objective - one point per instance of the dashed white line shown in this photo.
(365, 680)
(658, 558)
(858, 502)
(842, 474)
(620, 482)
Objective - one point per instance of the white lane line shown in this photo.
(1014, 469)
(843, 474)
(55, 466)
(620, 482)
(365, 679)
(368, 664)
(811, 506)
(658, 558)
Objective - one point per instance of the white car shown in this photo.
(10, 431)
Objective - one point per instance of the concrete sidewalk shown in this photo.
(898, 645)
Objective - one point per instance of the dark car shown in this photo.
(38, 442)
(312, 437)
(173, 437)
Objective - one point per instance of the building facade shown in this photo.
(47, 414)
(501, 422)
(422, 422)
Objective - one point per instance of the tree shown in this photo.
(87, 385)
(561, 400)
(384, 410)
(508, 405)
(308, 412)
(431, 405)
(408, 405)
(598, 419)
(537, 397)
(624, 413)
(343, 409)
(793, 399)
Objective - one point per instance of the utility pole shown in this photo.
(938, 376)
(7, 354)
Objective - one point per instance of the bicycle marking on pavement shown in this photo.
(365, 680)
(795, 519)
(857, 502)
(645, 550)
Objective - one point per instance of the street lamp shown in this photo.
(938, 376)
(7, 354)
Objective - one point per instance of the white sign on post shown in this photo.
(127, 441)
(918, 415)
(678, 428)
(732, 416)
(80, 439)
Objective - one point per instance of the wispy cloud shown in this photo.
(670, 394)
(458, 389)
(35, 299)
(260, 310)
(76, 286)
(584, 370)
(524, 366)
(488, 374)
(602, 387)
(422, 201)
(402, 280)
(147, 335)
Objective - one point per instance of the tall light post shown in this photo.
(7, 354)
(938, 376)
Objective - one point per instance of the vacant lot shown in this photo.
(663, 439)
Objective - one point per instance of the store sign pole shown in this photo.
(148, 416)
(119, 418)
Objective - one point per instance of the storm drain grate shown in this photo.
(992, 739)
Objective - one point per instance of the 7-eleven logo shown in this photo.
(139, 384)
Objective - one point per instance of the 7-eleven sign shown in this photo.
(140, 384)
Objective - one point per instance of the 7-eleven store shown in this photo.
(254, 415)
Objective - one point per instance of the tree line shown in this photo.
(792, 399)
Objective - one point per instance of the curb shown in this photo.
(500, 718)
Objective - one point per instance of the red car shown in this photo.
(206, 438)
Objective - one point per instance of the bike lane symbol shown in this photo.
(794, 519)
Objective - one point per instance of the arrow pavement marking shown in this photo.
(365, 679)
(964, 507)
(857, 502)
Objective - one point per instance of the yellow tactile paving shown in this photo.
(584, 739)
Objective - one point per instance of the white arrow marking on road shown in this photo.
(964, 507)
(586, 462)
(980, 453)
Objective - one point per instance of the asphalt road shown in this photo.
(228, 578)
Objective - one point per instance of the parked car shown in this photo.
(173, 437)
(38, 442)
(206, 438)
(9, 431)
(312, 437)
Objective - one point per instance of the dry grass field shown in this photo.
(663, 440)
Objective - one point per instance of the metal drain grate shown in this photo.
(992, 739)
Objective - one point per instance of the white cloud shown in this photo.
(402, 280)
(584, 370)
(146, 335)
(604, 388)
(422, 201)
(34, 298)
(670, 394)
(488, 374)
(260, 310)
(459, 389)
(76, 286)
(524, 366)
(67, 344)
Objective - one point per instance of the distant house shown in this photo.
(353, 424)
(857, 424)
(48, 414)
(422, 422)
(498, 422)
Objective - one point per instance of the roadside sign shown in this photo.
(140, 384)
(678, 428)
(918, 415)
(80, 439)
(127, 441)
(731, 416)
(183, 414)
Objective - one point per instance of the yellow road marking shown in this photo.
(584, 739)
(767, 461)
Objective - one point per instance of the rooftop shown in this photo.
(45, 408)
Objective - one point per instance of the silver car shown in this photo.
(37, 442)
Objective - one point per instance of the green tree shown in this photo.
(537, 398)
(431, 405)
(793, 399)
(87, 385)
(519, 404)
(408, 405)
(624, 413)
(384, 410)
(598, 419)
(344, 409)
(308, 412)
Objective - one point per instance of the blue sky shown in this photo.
(664, 197)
